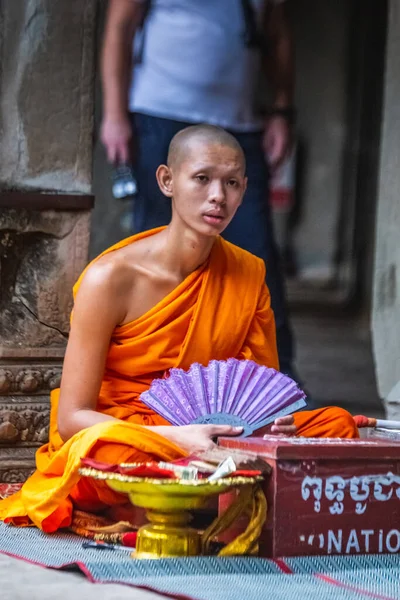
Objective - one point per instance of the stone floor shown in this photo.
(335, 361)
(334, 358)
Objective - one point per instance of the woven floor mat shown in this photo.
(210, 578)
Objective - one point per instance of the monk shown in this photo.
(161, 299)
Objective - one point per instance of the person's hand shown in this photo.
(276, 140)
(116, 135)
(282, 426)
(197, 438)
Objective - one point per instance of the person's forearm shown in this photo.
(79, 420)
(116, 62)
(85, 418)
(279, 61)
(116, 66)
(283, 73)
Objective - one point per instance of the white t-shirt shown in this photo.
(194, 65)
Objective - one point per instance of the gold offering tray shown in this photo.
(167, 502)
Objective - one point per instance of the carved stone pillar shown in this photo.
(46, 118)
(386, 306)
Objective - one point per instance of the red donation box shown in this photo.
(326, 496)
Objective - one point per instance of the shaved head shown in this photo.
(184, 141)
(205, 178)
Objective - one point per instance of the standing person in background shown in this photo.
(168, 64)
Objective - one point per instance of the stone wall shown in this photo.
(47, 70)
(46, 75)
(386, 309)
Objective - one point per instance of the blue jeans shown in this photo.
(251, 228)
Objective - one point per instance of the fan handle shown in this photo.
(225, 419)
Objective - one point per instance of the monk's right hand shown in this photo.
(198, 438)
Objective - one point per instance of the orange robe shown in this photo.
(221, 310)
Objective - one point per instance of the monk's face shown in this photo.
(207, 186)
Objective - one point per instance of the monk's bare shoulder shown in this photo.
(108, 283)
(110, 270)
(120, 280)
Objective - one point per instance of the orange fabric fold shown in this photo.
(330, 422)
(45, 499)
(196, 322)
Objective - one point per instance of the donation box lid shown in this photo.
(274, 447)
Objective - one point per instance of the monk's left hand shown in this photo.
(284, 426)
(281, 426)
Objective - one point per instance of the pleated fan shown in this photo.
(232, 392)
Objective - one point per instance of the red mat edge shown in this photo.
(351, 588)
(85, 571)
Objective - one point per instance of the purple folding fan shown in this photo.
(232, 392)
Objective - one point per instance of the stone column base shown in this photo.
(43, 249)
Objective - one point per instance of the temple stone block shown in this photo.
(47, 65)
(386, 310)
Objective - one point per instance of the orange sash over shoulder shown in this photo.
(221, 310)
